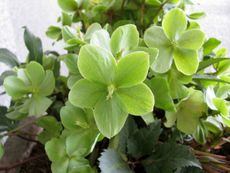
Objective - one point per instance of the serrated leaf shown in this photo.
(123, 39)
(173, 155)
(138, 99)
(132, 69)
(110, 116)
(8, 58)
(96, 64)
(34, 46)
(112, 162)
(174, 23)
(143, 142)
(86, 94)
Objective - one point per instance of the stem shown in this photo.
(15, 165)
(27, 139)
(209, 154)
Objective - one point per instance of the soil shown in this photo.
(38, 161)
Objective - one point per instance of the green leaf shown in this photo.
(47, 85)
(55, 149)
(191, 39)
(140, 145)
(51, 128)
(66, 19)
(110, 116)
(154, 3)
(15, 87)
(206, 63)
(138, 99)
(34, 46)
(186, 60)
(86, 94)
(155, 37)
(112, 162)
(71, 63)
(73, 117)
(91, 29)
(68, 5)
(187, 121)
(173, 155)
(132, 69)
(8, 58)
(123, 39)
(54, 32)
(96, 64)
(101, 38)
(221, 105)
(161, 91)
(5, 123)
(81, 142)
(37, 105)
(215, 79)
(35, 73)
(1, 150)
(60, 166)
(68, 33)
(196, 15)
(210, 45)
(174, 23)
(153, 53)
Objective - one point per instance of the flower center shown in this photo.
(111, 88)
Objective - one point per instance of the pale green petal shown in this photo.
(186, 60)
(123, 39)
(191, 39)
(174, 23)
(110, 115)
(96, 64)
(132, 69)
(86, 94)
(138, 99)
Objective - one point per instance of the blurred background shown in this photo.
(38, 15)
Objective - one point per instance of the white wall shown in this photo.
(37, 15)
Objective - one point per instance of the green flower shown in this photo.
(112, 88)
(33, 84)
(175, 43)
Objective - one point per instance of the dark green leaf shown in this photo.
(112, 162)
(34, 46)
(8, 58)
(144, 140)
(169, 157)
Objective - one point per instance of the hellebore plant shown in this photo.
(146, 91)
(175, 43)
(113, 87)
